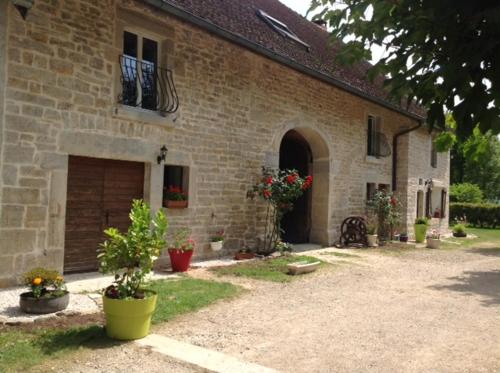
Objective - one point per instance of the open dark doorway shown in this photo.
(295, 153)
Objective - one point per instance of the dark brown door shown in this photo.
(100, 194)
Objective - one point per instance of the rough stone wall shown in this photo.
(61, 99)
(419, 169)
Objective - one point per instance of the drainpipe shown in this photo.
(395, 151)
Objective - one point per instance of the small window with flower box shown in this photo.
(175, 187)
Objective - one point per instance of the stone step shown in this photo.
(202, 357)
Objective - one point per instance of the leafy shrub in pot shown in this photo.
(130, 257)
(459, 230)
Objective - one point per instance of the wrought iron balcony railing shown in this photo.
(147, 86)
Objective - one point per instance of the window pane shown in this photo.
(149, 50)
(370, 135)
(130, 44)
(149, 55)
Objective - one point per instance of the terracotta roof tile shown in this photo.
(240, 17)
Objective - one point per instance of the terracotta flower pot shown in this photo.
(176, 204)
(29, 304)
(243, 256)
(180, 260)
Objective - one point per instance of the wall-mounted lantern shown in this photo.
(23, 6)
(163, 154)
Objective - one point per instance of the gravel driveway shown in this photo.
(420, 311)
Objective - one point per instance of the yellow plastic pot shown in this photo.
(420, 232)
(128, 319)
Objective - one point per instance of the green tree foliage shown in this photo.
(477, 161)
(442, 53)
(466, 192)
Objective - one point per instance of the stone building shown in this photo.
(90, 92)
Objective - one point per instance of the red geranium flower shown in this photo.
(290, 179)
(394, 201)
(307, 183)
(269, 180)
(266, 193)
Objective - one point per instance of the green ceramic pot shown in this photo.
(420, 232)
(128, 319)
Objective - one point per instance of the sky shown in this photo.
(301, 7)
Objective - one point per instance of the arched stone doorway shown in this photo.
(295, 153)
(306, 149)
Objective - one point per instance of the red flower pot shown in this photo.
(180, 260)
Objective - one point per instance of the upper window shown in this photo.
(373, 130)
(281, 28)
(144, 84)
(434, 159)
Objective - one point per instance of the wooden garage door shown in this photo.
(100, 194)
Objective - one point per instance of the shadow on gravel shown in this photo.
(485, 284)
(494, 251)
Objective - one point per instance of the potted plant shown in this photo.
(403, 237)
(245, 253)
(459, 230)
(420, 229)
(47, 293)
(175, 198)
(130, 256)
(433, 240)
(371, 235)
(181, 250)
(217, 241)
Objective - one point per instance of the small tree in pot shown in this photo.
(130, 257)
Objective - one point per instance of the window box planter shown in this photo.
(299, 268)
(43, 305)
(243, 256)
(216, 245)
(176, 204)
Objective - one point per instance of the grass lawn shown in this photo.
(22, 349)
(274, 269)
(485, 238)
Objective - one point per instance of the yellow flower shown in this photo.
(37, 281)
(59, 278)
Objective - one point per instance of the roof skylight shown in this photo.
(281, 28)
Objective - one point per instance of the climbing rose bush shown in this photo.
(280, 189)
